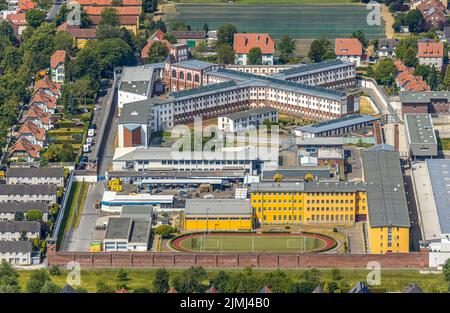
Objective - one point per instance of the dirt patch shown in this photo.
(389, 20)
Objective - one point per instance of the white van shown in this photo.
(89, 140)
(86, 148)
(91, 132)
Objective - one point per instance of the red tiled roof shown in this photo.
(150, 42)
(58, 57)
(36, 112)
(33, 129)
(123, 19)
(76, 31)
(120, 10)
(46, 83)
(24, 145)
(109, 2)
(17, 19)
(41, 96)
(25, 5)
(407, 80)
(348, 46)
(430, 50)
(244, 42)
(158, 35)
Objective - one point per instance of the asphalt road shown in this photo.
(54, 9)
(107, 150)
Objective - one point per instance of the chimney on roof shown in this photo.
(267, 41)
(246, 41)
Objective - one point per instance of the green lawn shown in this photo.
(252, 243)
(444, 143)
(391, 280)
(296, 19)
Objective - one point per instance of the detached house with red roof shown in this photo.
(349, 49)
(50, 88)
(40, 118)
(18, 22)
(25, 5)
(431, 53)
(33, 134)
(44, 101)
(23, 150)
(57, 64)
(243, 43)
(407, 81)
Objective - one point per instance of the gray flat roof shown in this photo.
(423, 97)
(386, 197)
(297, 173)
(24, 207)
(420, 129)
(19, 226)
(118, 228)
(320, 141)
(135, 112)
(177, 174)
(345, 121)
(194, 64)
(141, 209)
(11, 189)
(313, 186)
(137, 79)
(16, 246)
(57, 172)
(203, 90)
(218, 206)
(439, 174)
(140, 232)
(314, 68)
(249, 113)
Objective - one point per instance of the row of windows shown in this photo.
(307, 201)
(317, 218)
(342, 209)
(218, 218)
(303, 193)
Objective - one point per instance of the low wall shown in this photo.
(236, 260)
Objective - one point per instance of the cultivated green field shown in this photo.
(252, 243)
(273, 1)
(300, 21)
(391, 280)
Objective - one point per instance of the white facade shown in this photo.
(351, 58)
(113, 201)
(16, 258)
(244, 121)
(436, 62)
(241, 59)
(58, 181)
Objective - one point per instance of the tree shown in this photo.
(361, 38)
(446, 83)
(446, 270)
(50, 287)
(86, 21)
(141, 290)
(286, 46)
(433, 80)
(221, 281)
(321, 50)
(102, 287)
(309, 177)
(109, 17)
(336, 274)
(157, 52)
(34, 215)
(122, 279)
(277, 177)
(225, 35)
(170, 38)
(254, 56)
(386, 72)
(191, 280)
(63, 41)
(8, 278)
(164, 230)
(37, 280)
(149, 6)
(161, 281)
(225, 54)
(312, 275)
(414, 20)
(178, 25)
(205, 28)
(35, 17)
(19, 216)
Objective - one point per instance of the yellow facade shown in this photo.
(215, 223)
(82, 42)
(388, 239)
(308, 207)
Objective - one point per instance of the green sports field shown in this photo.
(252, 243)
(300, 21)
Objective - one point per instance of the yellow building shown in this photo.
(308, 202)
(218, 214)
(388, 220)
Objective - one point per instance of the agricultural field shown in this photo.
(253, 243)
(300, 21)
(272, 1)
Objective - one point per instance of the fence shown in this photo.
(62, 210)
(380, 98)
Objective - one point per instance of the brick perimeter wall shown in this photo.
(240, 260)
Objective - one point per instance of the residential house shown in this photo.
(57, 64)
(18, 22)
(14, 230)
(431, 53)
(407, 81)
(243, 43)
(35, 175)
(349, 49)
(37, 116)
(43, 101)
(434, 13)
(81, 36)
(32, 133)
(128, 16)
(16, 252)
(386, 47)
(49, 87)
(108, 3)
(8, 210)
(25, 5)
(23, 150)
(28, 193)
